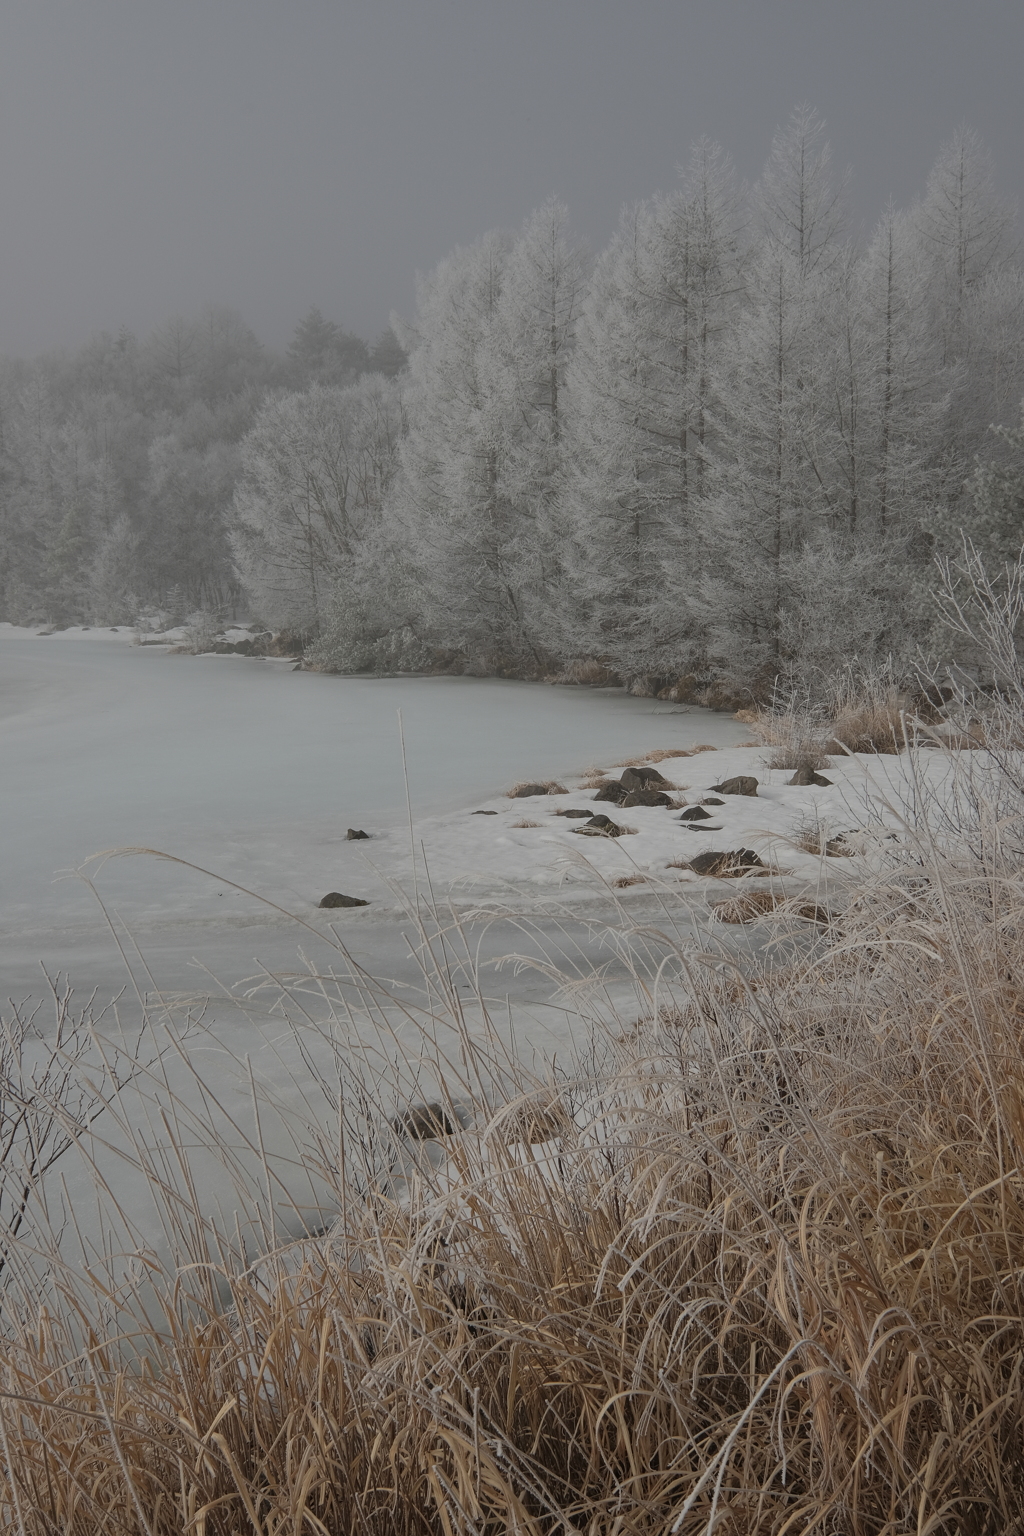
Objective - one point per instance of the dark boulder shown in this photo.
(483, 813)
(353, 835)
(613, 791)
(646, 797)
(236, 648)
(643, 778)
(599, 826)
(424, 1122)
(695, 813)
(524, 791)
(725, 865)
(336, 899)
(711, 800)
(806, 776)
(743, 784)
(575, 815)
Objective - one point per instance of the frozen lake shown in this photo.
(255, 772)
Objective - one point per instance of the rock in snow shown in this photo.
(726, 864)
(613, 791)
(644, 778)
(424, 1122)
(804, 777)
(743, 784)
(336, 899)
(599, 826)
(646, 797)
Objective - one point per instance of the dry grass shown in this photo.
(525, 823)
(875, 723)
(756, 904)
(659, 755)
(590, 673)
(862, 713)
(624, 881)
(755, 1266)
(813, 836)
(746, 908)
(796, 739)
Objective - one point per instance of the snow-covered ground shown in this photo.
(255, 773)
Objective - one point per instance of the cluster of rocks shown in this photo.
(600, 826)
(643, 786)
(637, 786)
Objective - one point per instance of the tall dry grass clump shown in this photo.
(762, 1273)
(756, 1265)
(859, 712)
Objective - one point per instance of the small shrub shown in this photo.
(802, 754)
(525, 823)
(201, 632)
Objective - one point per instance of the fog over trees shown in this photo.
(728, 449)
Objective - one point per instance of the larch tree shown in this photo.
(644, 412)
(524, 368)
(451, 497)
(775, 483)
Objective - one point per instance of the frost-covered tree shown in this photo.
(320, 352)
(315, 469)
(459, 526)
(966, 232)
(766, 499)
(997, 497)
(644, 394)
(523, 367)
(800, 200)
(788, 395)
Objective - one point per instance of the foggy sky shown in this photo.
(272, 154)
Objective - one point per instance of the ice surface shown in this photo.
(255, 772)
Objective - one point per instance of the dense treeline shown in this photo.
(118, 463)
(728, 450)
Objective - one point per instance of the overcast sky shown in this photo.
(272, 154)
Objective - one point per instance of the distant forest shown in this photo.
(725, 453)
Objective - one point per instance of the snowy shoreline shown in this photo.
(477, 851)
